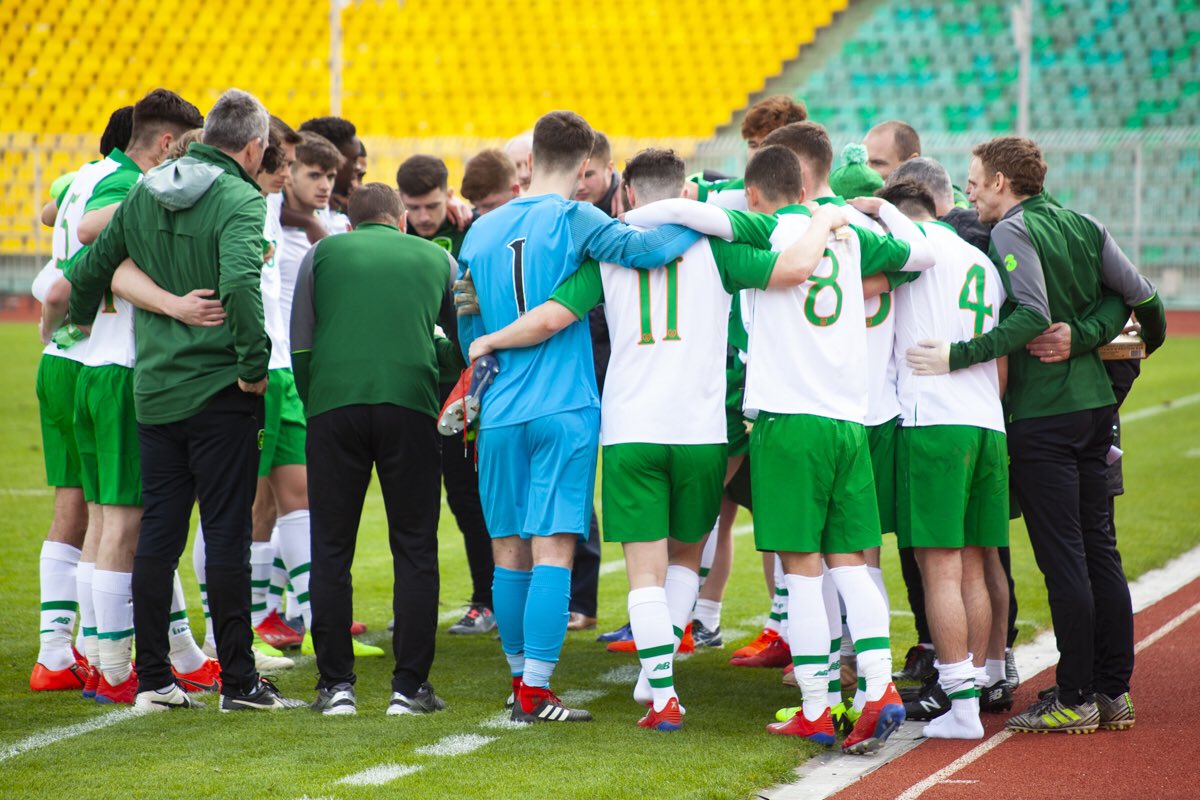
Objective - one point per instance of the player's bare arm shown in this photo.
(533, 328)
(95, 221)
(198, 307)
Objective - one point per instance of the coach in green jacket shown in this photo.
(195, 223)
(366, 364)
(1059, 266)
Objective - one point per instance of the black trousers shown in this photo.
(916, 593)
(462, 494)
(211, 456)
(585, 573)
(1060, 477)
(343, 444)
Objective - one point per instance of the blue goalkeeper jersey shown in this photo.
(518, 255)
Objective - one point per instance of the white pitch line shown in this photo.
(457, 745)
(453, 615)
(619, 676)
(49, 737)
(503, 722)
(976, 753)
(1161, 408)
(377, 776)
(579, 697)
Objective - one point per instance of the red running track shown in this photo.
(1158, 758)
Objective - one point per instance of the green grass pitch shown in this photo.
(722, 752)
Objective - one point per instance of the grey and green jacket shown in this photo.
(1060, 266)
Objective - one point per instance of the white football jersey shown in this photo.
(882, 403)
(958, 299)
(808, 343)
(112, 340)
(288, 258)
(272, 285)
(668, 330)
(65, 240)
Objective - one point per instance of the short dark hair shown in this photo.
(117, 131)
(771, 113)
(420, 175)
(909, 196)
(809, 142)
(658, 173)
(561, 141)
(339, 131)
(281, 135)
(775, 171)
(486, 173)
(1019, 159)
(904, 136)
(373, 201)
(317, 150)
(601, 150)
(163, 111)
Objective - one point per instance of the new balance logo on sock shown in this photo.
(177, 631)
(661, 667)
(62, 621)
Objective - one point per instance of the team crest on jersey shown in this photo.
(1010, 262)
(443, 242)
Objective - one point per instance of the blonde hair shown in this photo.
(179, 146)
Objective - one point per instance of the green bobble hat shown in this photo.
(854, 178)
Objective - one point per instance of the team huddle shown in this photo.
(847, 352)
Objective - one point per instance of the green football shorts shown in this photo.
(652, 491)
(285, 426)
(881, 440)
(814, 490)
(107, 434)
(952, 487)
(56, 377)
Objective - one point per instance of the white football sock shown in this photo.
(279, 579)
(198, 562)
(113, 596)
(262, 559)
(295, 546)
(995, 670)
(60, 604)
(87, 612)
(708, 613)
(710, 551)
(185, 655)
(958, 681)
(682, 586)
(876, 574)
(867, 616)
(777, 619)
(833, 619)
(650, 621)
(809, 643)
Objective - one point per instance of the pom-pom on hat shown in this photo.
(854, 178)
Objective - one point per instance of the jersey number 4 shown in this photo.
(976, 279)
(672, 335)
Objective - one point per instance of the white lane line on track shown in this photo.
(828, 774)
(458, 744)
(1161, 408)
(377, 776)
(58, 734)
(973, 755)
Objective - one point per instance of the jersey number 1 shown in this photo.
(518, 271)
(672, 335)
(976, 277)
